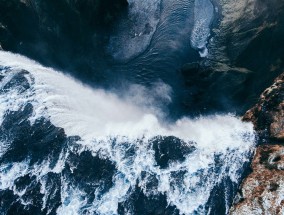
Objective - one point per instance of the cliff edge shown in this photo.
(262, 192)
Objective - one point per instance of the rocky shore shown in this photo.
(262, 192)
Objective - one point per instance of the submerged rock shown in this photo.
(170, 149)
(139, 203)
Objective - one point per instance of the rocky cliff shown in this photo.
(245, 55)
(268, 114)
(262, 192)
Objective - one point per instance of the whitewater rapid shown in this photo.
(123, 130)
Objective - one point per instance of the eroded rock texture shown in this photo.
(268, 114)
(262, 192)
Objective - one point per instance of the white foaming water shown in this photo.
(203, 15)
(99, 117)
(158, 27)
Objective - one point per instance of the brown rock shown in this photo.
(263, 190)
(268, 114)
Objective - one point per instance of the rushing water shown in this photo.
(157, 37)
(66, 148)
(69, 149)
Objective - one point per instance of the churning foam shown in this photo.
(97, 116)
(203, 16)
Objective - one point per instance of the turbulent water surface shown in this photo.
(69, 149)
(66, 148)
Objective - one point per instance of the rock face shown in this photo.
(225, 89)
(246, 54)
(262, 192)
(268, 114)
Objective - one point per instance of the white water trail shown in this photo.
(203, 16)
(97, 116)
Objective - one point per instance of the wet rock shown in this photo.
(30, 202)
(268, 114)
(170, 149)
(91, 173)
(142, 204)
(99, 12)
(262, 191)
(239, 24)
(40, 141)
(246, 54)
(209, 89)
(19, 81)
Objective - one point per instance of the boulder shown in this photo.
(170, 149)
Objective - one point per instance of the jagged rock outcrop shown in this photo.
(268, 115)
(262, 192)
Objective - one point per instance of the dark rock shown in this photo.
(268, 114)
(170, 149)
(90, 172)
(18, 81)
(211, 90)
(98, 12)
(40, 141)
(260, 190)
(246, 53)
(139, 203)
(55, 31)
